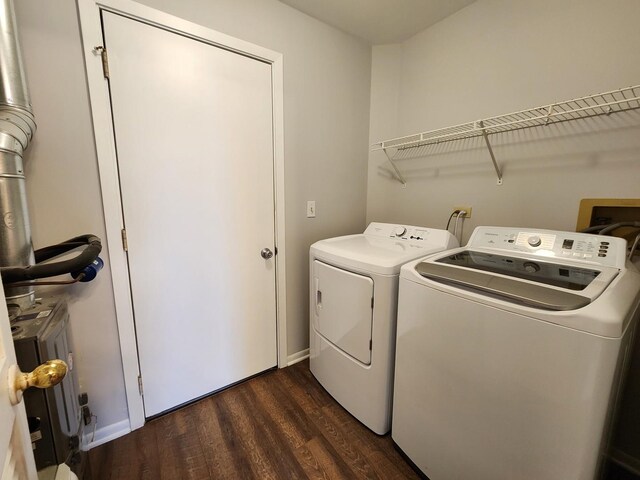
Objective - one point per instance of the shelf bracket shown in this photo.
(549, 113)
(393, 164)
(493, 157)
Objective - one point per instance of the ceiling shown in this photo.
(379, 21)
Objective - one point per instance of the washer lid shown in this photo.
(570, 277)
(380, 254)
(522, 279)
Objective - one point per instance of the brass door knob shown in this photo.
(44, 376)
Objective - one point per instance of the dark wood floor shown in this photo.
(280, 425)
(616, 472)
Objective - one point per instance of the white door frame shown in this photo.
(91, 30)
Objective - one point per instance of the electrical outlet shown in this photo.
(311, 209)
(466, 209)
(86, 415)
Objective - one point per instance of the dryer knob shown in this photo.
(534, 241)
(399, 231)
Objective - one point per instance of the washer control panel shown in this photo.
(585, 247)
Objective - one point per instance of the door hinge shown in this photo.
(140, 388)
(125, 244)
(105, 60)
(371, 303)
(370, 344)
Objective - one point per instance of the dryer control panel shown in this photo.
(410, 233)
(583, 247)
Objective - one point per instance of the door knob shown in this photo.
(44, 376)
(266, 253)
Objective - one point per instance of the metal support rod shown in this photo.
(493, 157)
(398, 174)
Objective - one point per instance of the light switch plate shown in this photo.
(311, 209)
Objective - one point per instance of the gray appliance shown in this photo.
(41, 333)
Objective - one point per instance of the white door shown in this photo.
(194, 134)
(16, 457)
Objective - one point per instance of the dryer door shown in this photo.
(344, 309)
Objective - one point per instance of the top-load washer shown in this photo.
(354, 287)
(510, 354)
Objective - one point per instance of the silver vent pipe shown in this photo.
(17, 126)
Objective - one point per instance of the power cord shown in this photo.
(461, 213)
(634, 247)
(95, 424)
(450, 217)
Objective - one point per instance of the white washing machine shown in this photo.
(510, 355)
(354, 288)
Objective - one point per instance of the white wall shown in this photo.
(495, 57)
(326, 86)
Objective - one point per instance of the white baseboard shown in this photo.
(105, 434)
(297, 357)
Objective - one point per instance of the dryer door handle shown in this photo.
(318, 297)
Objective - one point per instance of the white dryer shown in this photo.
(510, 355)
(354, 288)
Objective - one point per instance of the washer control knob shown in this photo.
(531, 267)
(534, 241)
(399, 231)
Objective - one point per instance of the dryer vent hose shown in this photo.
(92, 247)
(605, 229)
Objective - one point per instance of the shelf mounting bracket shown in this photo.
(480, 124)
(393, 164)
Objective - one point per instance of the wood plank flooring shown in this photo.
(280, 425)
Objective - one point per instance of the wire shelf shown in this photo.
(579, 108)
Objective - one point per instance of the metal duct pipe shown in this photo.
(17, 126)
